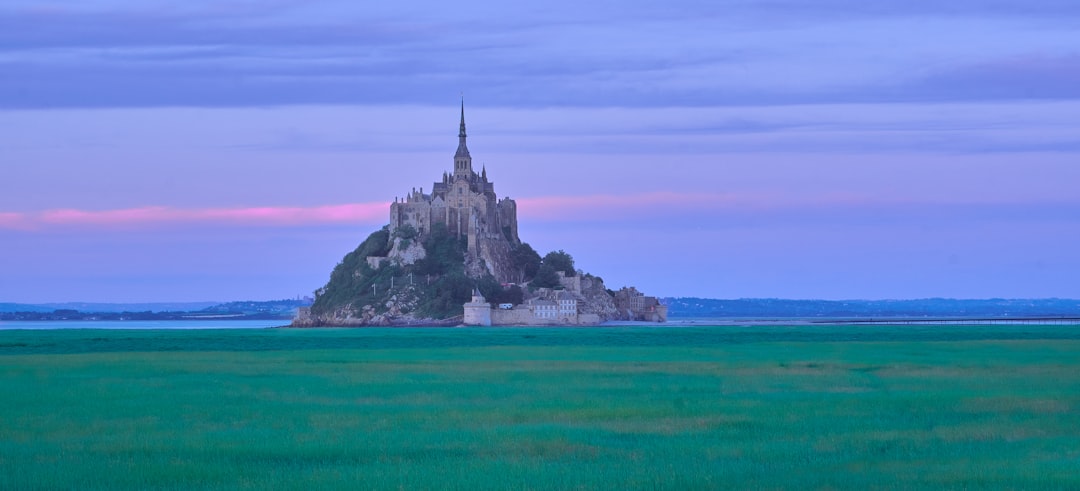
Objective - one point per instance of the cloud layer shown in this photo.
(564, 54)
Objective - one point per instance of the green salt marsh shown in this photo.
(766, 407)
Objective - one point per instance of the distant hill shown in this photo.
(284, 308)
(273, 309)
(929, 307)
(148, 307)
(23, 307)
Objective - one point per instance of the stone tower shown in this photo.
(462, 159)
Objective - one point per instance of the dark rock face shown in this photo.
(494, 253)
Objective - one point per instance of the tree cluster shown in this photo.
(547, 274)
(352, 277)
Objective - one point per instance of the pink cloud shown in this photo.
(541, 208)
(159, 215)
(609, 206)
(12, 220)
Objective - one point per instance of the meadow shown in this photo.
(766, 407)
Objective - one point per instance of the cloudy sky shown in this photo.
(155, 150)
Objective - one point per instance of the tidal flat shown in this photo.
(764, 407)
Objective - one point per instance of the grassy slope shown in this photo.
(842, 407)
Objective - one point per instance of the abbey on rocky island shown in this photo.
(404, 274)
(466, 203)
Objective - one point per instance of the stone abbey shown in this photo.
(466, 203)
(394, 283)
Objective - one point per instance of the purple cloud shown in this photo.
(637, 55)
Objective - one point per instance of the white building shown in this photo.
(544, 309)
(567, 303)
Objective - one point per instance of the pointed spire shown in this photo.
(462, 160)
(461, 132)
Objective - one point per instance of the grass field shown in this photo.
(820, 407)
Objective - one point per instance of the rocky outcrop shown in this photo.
(404, 252)
(493, 257)
(399, 309)
(597, 300)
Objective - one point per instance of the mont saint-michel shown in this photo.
(452, 255)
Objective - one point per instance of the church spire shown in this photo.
(461, 133)
(462, 159)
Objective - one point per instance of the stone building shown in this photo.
(567, 305)
(466, 203)
(634, 305)
(558, 307)
(543, 308)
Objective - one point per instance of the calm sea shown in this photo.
(192, 324)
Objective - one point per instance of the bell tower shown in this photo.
(462, 159)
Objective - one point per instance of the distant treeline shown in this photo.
(249, 310)
(75, 315)
(930, 307)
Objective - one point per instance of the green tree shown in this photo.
(512, 295)
(405, 232)
(546, 277)
(445, 253)
(489, 287)
(447, 295)
(526, 260)
(560, 260)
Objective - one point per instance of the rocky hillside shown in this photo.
(406, 279)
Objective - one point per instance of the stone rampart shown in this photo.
(519, 316)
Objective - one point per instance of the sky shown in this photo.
(223, 150)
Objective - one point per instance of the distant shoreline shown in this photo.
(890, 321)
(794, 323)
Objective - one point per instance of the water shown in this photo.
(133, 324)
